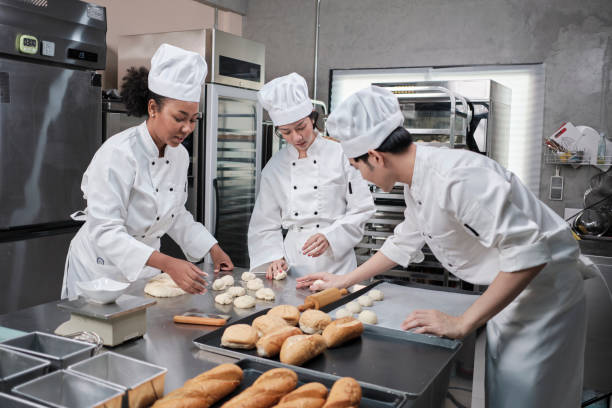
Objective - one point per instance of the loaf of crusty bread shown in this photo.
(205, 389)
(290, 313)
(268, 323)
(314, 321)
(240, 336)
(266, 391)
(270, 344)
(311, 395)
(345, 393)
(298, 349)
(342, 330)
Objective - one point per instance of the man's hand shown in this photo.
(186, 275)
(435, 322)
(220, 259)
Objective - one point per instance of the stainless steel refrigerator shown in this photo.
(50, 127)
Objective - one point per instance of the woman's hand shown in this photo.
(186, 275)
(220, 259)
(435, 322)
(276, 267)
(315, 245)
(327, 280)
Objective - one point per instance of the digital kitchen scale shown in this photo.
(115, 322)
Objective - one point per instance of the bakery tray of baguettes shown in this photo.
(393, 359)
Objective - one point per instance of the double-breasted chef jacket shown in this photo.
(479, 219)
(321, 193)
(134, 197)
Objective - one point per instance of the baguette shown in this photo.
(266, 391)
(345, 393)
(266, 324)
(342, 330)
(311, 395)
(270, 344)
(205, 389)
(298, 349)
(290, 313)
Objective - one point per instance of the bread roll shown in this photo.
(241, 336)
(205, 389)
(311, 395)
(270, 344)
(346, 392)
(267, 324)
(266, 391)
(291, 314)
(314, 321)
(298, 349)
(342, 330)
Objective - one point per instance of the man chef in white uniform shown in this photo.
(307, 188)
(487, 228)
(136, 185)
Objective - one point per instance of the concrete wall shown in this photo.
(573, 39)
(128, 17)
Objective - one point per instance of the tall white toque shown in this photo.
(286, 99)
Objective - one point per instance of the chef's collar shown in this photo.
(148, 144)
(314, 149)
(419, 172)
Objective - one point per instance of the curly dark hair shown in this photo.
(135, 92)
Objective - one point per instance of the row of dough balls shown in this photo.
(367, 300)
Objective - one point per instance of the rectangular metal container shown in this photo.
(63, 389)
(143, 382)
(10, 401)
(17, 368)
(60, 351)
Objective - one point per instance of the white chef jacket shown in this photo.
(479, 219)
(321, 193)
(133, 198)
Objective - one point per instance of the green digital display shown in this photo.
(27, 44)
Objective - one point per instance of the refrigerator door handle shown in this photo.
(215, 206)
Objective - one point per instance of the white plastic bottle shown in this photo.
(601, 149)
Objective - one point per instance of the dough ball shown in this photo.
(280, 276)
(223, 299)
(244, 302)
(376, 294)
(247, 276)
(219, 284)
(265, 294)
(368, 316)
(162, 285)
(255, 284)
(353, 307)
(228, 279)
(365, 301)
(342, 312)
(236, 291)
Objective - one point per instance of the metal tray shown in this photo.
(397, 360)
(143, 382)
(10, 401)
(17, 368)
(63, 389)
(372, 396)
(60, 351)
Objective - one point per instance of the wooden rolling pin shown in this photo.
(323, 298)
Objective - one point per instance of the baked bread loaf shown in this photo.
(314, 321)
(270, 344)
(205, 389)
(342, 330)
(346, 392)
(290, 313)
(266, 391)
(240, 336)
(311, 395)
(298, 349)
(267, 324)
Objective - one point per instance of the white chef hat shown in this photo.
(364, 120)
(286, 99)
(177, 73)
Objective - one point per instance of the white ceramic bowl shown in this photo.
(102, 290)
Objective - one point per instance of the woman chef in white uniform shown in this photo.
(136, 185)
(487, 228)
(307, 188)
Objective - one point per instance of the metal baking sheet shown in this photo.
(123, 305)
(404, 361)
(372, 396)
(401, 299)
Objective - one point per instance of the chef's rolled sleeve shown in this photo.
(406, 243)
(193, 238)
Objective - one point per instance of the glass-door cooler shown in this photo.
(232, 166)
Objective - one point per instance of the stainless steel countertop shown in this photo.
(166, 343)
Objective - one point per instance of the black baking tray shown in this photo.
(372, 396)
(397, 360)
